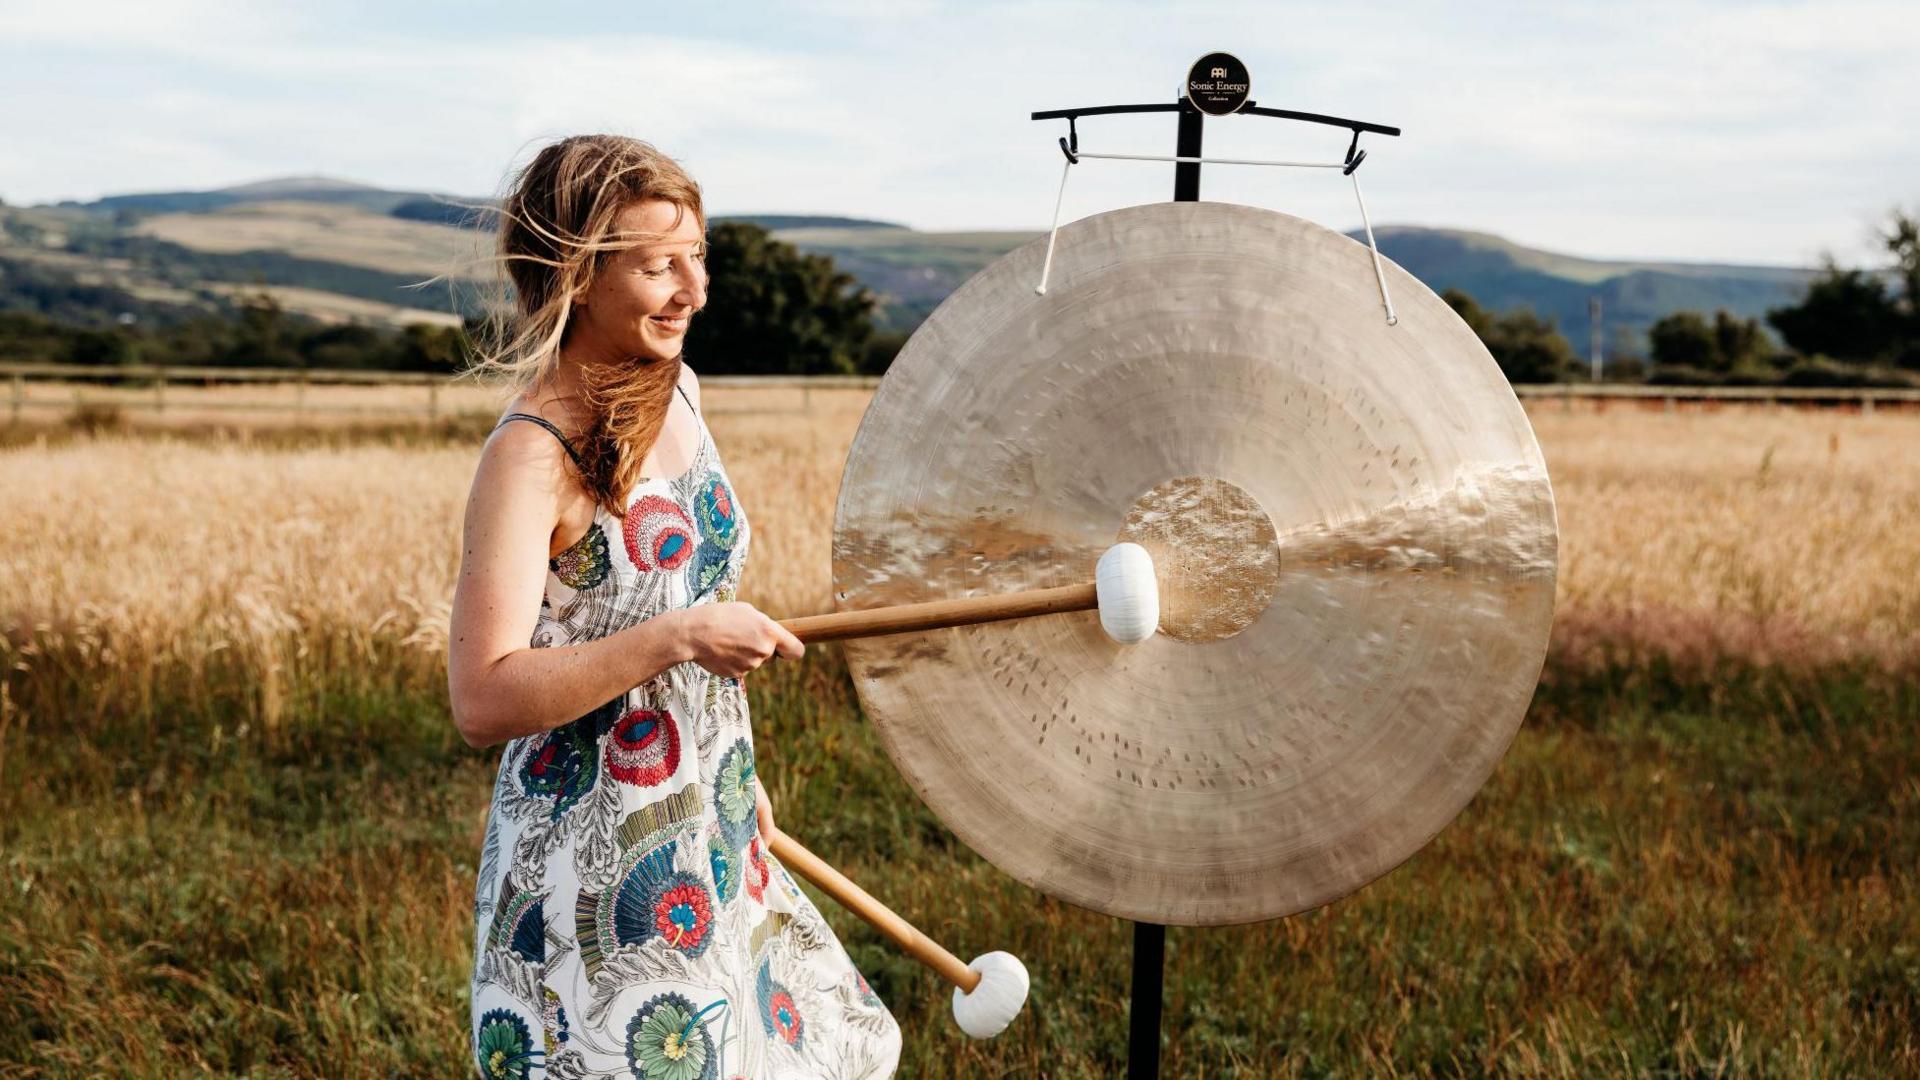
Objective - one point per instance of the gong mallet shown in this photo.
(990, 992)
(987, 994)
(1123, 589)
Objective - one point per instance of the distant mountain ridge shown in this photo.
(318, 189)
(414, 205)
(1502, 275)
(909, 270)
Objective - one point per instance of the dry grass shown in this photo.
(1773, 537)
(360, 533)
(1776, 537)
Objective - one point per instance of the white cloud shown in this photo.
(1690, 130)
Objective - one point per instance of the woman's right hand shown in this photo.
(734, 638)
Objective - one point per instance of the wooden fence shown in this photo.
(154, 383)
(1670, 396)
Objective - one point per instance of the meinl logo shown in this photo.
(1218, 84)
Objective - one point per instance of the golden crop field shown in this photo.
(1780, 537)
(238, 834)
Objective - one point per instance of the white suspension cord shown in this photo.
(1047, 267)
(1053, 233)
(1379, 275)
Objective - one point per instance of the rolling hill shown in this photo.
(339, 250)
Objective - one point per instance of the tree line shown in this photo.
(1853, 327)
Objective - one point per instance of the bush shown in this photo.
(774, 311)
(1846, 314)
(1528, 348)
(1683, 375)
(1726, 346)
(1824, 371)
(103, 347)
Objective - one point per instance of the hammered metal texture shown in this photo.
(1222, 779)
(1214, 555)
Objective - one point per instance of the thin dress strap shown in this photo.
(571, 452)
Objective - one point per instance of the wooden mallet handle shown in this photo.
(938, 614)
(857, 900)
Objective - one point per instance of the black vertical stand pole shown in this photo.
(1149, 961)
(1150, 939)
(1186, 174)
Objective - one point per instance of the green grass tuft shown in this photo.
(1666, 876)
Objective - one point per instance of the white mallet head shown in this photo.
(1129, 596)
(998, 998)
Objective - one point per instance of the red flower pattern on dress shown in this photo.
(658, 533)
(785, 1017)
(645, 747)
(683, 916)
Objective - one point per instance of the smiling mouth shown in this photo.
(673, 322)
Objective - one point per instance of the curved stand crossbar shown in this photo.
(1187, 165)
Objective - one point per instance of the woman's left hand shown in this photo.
(764, 807)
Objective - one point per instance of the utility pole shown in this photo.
(1593, 320)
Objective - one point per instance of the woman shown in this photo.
(629, 921)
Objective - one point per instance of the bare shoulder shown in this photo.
(524, 442)
(524, 462)
(690, 382)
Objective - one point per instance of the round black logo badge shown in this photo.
(1218, 84)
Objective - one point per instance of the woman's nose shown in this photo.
(693, 287)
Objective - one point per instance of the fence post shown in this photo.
(1866, 404)
(160, 390)
(19, 396)
(300, 398)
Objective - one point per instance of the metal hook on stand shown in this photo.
(1070, 145)
(1355, 155)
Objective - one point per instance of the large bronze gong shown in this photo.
(1351, 526)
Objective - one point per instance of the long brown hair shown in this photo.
(556, 231)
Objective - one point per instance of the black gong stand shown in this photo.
(1217, 85)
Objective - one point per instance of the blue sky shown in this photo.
(1748, 132)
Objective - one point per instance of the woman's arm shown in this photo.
(500, 687)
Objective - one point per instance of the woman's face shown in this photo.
(640, 302)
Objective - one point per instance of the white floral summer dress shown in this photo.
(629, 922)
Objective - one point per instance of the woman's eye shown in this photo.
(661, 270)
